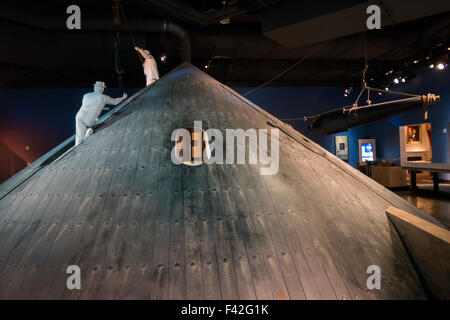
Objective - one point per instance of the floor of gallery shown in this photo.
(437, 205)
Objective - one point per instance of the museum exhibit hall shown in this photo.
(220, 156)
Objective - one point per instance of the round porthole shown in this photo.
(191, 146)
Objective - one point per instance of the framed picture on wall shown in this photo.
(341, 147)
(413, 134)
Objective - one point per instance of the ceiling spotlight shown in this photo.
(403, 80)
(416, 61)
(379, 93)
(440, 66)
(387, 88)
(225, 21)
(163, 58)
(206, 66)
(431, 66)
(345, 94)
(396, 81)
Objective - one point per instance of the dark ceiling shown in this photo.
(39, 51)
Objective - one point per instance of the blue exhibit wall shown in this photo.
(289, 102)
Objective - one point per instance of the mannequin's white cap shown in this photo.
(99, 84)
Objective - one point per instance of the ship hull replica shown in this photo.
(140, 226)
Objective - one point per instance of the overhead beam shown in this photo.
(185, 12)
(302, 23)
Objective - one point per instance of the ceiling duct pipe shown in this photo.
(183, 37)
(342, 119)
(102, 24)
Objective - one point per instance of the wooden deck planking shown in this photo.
(63, 249)
(39, 253)
(393, 255)
(273, 217)
(17, 198)
(179, 263)
(319, 248)
(206, 219)
(74, 168)
(159, 269)
(242, 217)
(152, 166)
(191, 176)
(21, 226)
(314, 279)
(210, 262)
(103, 257)
(135, 244)
(279, 257)
(87, 241)
(9, 199)
(321, 264)
(36, 254)
(113, 261)
(12, 215)
(340, 226)
(336, 251)
(31, 258)
(53, 281)
(300, 250)
(15, 231)
(379, 250)
(233, 219)
(84, 218)
(376, 254)
(135, 282)
(206, 213)
(223, 246)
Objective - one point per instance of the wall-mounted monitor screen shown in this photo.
(367, 151)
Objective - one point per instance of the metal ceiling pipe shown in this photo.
(342, 119)
(11, 13)
(183, 37)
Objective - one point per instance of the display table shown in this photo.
(389, 176)
(434, 168)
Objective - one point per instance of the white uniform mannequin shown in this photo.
(92, 106)
(150, 67)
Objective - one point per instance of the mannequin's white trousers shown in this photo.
(82, 130)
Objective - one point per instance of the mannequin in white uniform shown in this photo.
(150, 67)
(92, 106)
